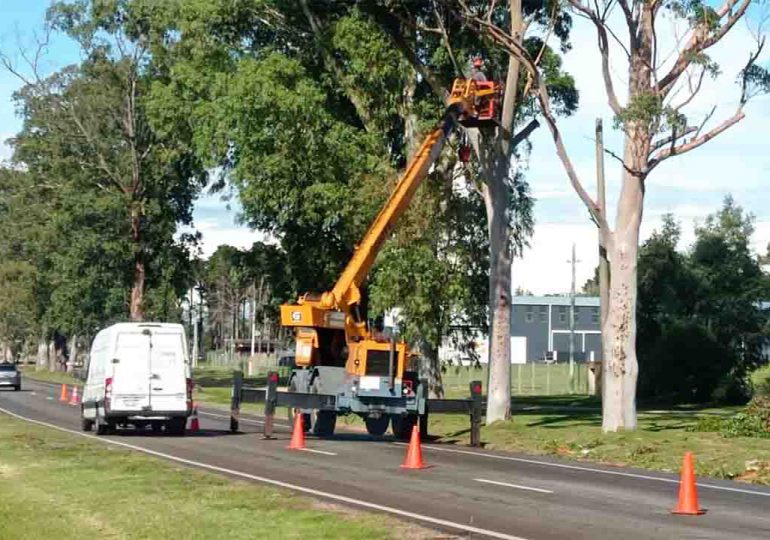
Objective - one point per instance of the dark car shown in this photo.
(10, 376)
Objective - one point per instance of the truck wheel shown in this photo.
(402, 425)
(377, 426)
(325, 422)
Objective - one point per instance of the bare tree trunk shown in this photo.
(620, 367)
(496, 172)
(136, 313)
(430, 369)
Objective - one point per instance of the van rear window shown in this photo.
(7, 367)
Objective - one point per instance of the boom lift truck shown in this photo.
(336, 352)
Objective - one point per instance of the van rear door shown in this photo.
(131, 372)
(168, 388)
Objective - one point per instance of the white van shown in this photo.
(138, 374)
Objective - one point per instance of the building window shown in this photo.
(562, 314)
(543, 314)
(595, 315)
(529, 316)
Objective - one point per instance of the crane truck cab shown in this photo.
(139, 375)
(336, 353)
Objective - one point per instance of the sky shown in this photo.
(690, 186)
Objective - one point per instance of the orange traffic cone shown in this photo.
(688, 492)
(298, 434)
(63, 394)
(194, 423)
(413, 459)
(74, 398)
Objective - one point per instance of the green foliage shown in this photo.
(700, 330)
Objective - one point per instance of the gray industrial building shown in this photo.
(540, 328)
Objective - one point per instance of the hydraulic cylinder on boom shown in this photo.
(336, 351)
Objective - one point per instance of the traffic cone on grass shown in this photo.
(63, 393)
(688, 491)
(298, 434)
(413, 459)
(194, 423)
(74, 398)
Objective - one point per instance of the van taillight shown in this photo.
(107, 392)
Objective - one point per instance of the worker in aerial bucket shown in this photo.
(476, 73)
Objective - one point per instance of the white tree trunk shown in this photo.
(499, 383)
(620, 367)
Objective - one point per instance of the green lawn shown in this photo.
(56, 485)
(659, 442)
(48, 376)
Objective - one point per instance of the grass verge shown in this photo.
(56, 485)
(29, 372)
(659, 442)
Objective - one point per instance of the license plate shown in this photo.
(369, 383)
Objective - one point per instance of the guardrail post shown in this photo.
(422, 395)
(271, 401)
(475, 413)
(235, 401)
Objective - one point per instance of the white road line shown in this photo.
(324, 452)
(33, 393)
(49, 398)
(517, 486)
(286, 485)
(588, 469)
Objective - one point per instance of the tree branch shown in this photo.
(601, 35)
(541, 91)
(657, 145)
(700, 40)
(694, 143)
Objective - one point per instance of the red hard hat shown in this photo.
(478, 62)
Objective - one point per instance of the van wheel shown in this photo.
(176, 426)
(102, 427)
(85, 423)
(17, 388)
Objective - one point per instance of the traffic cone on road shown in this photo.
(298, 434)
(413, 459)
(63, 393)
(194, 424)
(688, 491)
(74, 398)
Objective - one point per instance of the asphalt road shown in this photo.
(465, 492)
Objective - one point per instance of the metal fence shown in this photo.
(533, 379)
(252, 366)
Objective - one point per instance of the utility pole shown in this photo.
(253, 316)
(604, 266)
(573, 261)
(195, 331)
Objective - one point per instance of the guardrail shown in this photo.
(272, 398)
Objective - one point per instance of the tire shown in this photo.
(402, 425)
(102, 427)
(325, 422)
(177, 426)
(85, 423)
(17, 388)
(377, 426)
